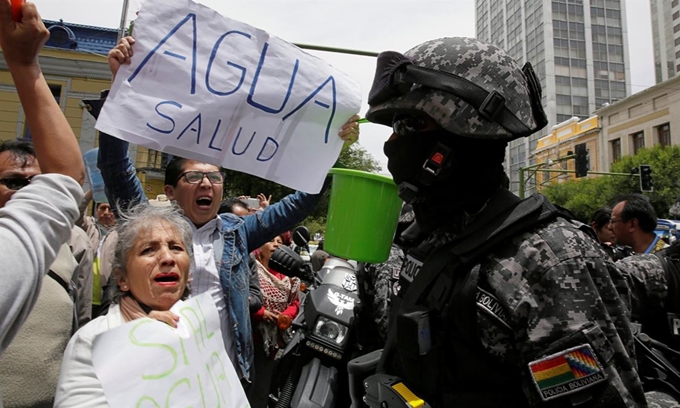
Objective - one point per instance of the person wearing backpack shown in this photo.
(505, 302)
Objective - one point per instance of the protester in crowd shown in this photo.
(96, 229)
(318, 259)
(499, 290)
(223, 242)
(64, 303)
(279, 298)
(633, 222)
(262, 202)
(152, 242)
(287, 239)
(235, 206)
(38, 213)
(600, 222)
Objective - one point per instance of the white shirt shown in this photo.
(206, 278)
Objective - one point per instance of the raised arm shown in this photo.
(119, 174)
(55, 144)
(38, 219)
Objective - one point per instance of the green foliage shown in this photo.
(583, 196)
(357, 158)
(237, 184)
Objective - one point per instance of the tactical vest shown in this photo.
(439, 354)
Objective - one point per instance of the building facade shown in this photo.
(578, 49)
(645, 119)
(666, 38)
(75, 66)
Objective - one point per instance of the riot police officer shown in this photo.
(505, 302)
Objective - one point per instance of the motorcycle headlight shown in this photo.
(330, 330)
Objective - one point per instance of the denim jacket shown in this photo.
(240, 236)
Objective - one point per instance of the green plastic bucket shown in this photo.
(362, 216)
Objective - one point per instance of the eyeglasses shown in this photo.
(404, 124)
(16, 183)
(195, 177)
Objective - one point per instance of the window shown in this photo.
(664, 133)
(616, 149)
(638, 140)
(56, 92)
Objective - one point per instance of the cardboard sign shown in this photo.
(146, 363)
(209, 88)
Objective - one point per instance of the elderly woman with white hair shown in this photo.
(151, 263)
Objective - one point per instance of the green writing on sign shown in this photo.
(188, 367)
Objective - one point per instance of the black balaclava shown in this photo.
(472, 171)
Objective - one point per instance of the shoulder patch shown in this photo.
(491, 306)
(566, 372)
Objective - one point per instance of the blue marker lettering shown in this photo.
(238, 135)
(210, 145)
(171, 103)
(192, 17)
(265, 146)
(229, 63)
(254, 84)
(193, 129)
(330, 80)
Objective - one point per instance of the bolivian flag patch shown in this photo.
(566, 372)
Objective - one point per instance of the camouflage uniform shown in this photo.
(656, 399)
(545, 285)
(647, 280)
(649, 293)
(380, 283)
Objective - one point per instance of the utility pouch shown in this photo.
(419, 354)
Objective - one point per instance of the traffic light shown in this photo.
(646, 183)
(582, 160)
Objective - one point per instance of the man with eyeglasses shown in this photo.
(500, 298)
(221, 243)
(633, 221)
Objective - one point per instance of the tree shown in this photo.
(237, 184)
(582, 197)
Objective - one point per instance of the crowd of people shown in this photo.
(486, 300)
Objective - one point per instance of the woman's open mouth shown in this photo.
(167, 279)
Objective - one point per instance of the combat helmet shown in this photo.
(469, 88)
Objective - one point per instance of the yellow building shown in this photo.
(75, 66)
(552, 149)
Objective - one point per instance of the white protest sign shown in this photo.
(146, 363)
(209, 88)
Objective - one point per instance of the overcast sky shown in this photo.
(371, 25)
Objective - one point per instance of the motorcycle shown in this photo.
(312, 366)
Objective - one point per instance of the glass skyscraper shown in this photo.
(578, 49)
